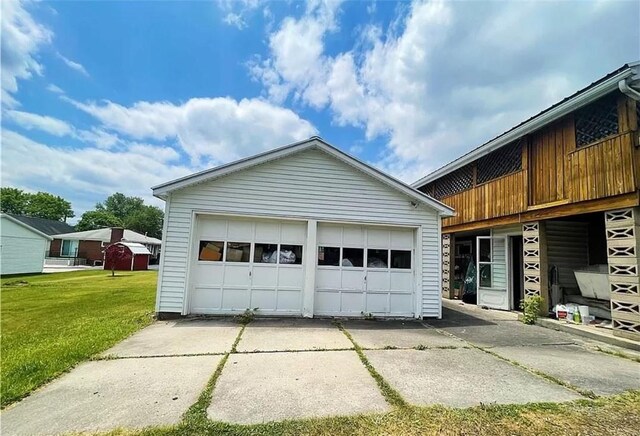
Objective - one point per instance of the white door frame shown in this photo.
(506, 289)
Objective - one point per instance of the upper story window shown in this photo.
(454, 182)
(503, 161)
(597, 120)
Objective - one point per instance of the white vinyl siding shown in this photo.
(22, 251)
(310, 184)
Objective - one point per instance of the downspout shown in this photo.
(628, 90)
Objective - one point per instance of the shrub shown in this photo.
(531, 308)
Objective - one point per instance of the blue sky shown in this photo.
(99, 97)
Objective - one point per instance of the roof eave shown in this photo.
(162, 191)
(586, 97)
(27, 226)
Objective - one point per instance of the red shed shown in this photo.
(133, 257)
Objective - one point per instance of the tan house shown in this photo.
(551, 208)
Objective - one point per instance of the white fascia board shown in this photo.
(534, 124)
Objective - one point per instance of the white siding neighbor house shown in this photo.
(22, 247)
(302, 230)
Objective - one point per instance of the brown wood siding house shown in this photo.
(556, 194)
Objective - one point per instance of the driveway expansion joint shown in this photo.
(584, 393)
(152, 356)
(392, 396)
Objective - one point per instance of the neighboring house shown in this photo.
(89, 245)
(133, 257)
(300, 230)
(46, 226)
(22, 247)
(556, 194)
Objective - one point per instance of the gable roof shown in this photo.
(26, 226)
(104, 235)
(46, 226)
(615, 80)
(135, 247)
(314, 142)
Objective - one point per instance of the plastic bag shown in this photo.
(287, 256)
(270, 257)
(374, 262)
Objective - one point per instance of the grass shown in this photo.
(392, 396)
(51, 322)
(616, 415)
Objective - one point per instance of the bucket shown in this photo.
(584, 311)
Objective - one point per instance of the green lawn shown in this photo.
(51, 322)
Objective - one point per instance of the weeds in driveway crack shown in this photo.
(617, 354)
(308, 350)
(237, 341)
(390, 395)
(198, 411)
(583, 392)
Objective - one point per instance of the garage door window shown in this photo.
(352, 257)
(377, 258)
(401, 259)
(285, 255)
(238, 251)
(266, 253)
(211, 251)
(291, 254)
(329, 256)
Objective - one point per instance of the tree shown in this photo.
(97, 219)
(45, 205)
(146, 220)
(113, 254)
(13, 200)
(121, 206)
(41, 204)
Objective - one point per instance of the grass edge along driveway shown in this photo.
(52, 322)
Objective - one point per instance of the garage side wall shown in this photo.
(22, 250)
(308, 185)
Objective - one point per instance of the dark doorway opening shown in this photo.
(517, 272)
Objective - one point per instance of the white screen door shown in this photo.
(492, 272)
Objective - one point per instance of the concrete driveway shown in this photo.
(293, 368)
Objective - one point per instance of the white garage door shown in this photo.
(246, 264)
(365, 271)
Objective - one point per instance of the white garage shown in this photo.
(303, 230)
(22, 247)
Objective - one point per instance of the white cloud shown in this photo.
(55, 89)
(22, 37)
(236, 20)
(208, 129)
(73, 65)
(47, 124)
(298, 63)
(444, 77)
(237, 10)
(57, 127)
(87, 174)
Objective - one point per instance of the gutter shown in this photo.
(538, 122)
(628, 90)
